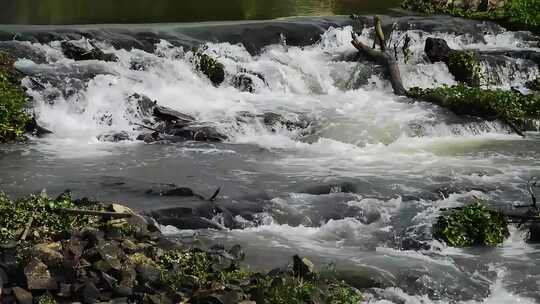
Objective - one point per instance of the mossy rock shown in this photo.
(508, 106)
(472, 225)
(465, 67)
(13, 117)
(213, 69)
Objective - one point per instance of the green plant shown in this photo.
(13, 117)
(180, 267)
(507, 106)
(474, 224)
(465, 67)
(47, 220)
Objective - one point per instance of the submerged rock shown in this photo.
(244, 83)
(200, 133)
(32, 127)
(77, 53)
(114, 136)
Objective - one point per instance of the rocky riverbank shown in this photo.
(62, 250)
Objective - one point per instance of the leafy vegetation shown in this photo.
(507, 106)
(46, 223)
(515, 14)
(474, 224)
(12, 101)
(465, 67)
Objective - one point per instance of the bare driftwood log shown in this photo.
(385, 59)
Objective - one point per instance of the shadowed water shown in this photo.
(150, 11)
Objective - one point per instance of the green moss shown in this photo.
(471, 225)
(12, 101)
(507, 106)
(213, 69)
(46, 223)
(465, 67)
(515, 14)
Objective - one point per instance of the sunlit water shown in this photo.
(404, 160)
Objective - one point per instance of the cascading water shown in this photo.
(365, 178)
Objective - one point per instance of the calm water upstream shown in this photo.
(365, 178)
(151, 11)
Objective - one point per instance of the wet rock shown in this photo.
(201, 133)
(213, 69)
(170, 115)
(114, 136)
(90, 294)
(437, 49)
(77, 53)
(38, 276)
(150, 137)
(189, 222)
(144, 105)
(22, 295)
(32, 127)
(181, 191)
(412, 244)
(302, 267)
(4, 279)
(534, 233)
(273, 119)
(48, 253)
(243, 82)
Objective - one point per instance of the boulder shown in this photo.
(437, 50)
(189, 222)
(49, 253)
(77, 53)
(148, 273)
(170, 115)
(534, 233)
(38, 276)
(181, 191)
(22, 295)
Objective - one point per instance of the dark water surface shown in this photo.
(149, 11)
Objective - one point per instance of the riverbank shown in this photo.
(63, 250)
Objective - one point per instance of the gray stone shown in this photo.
(23, 296)
(38, 276)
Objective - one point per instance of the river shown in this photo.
(368, 175)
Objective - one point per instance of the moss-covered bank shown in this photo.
(63, 250)
(513, 14)
(508, 106)
(12, 102)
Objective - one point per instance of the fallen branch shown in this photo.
(146, 127)
(386, 60)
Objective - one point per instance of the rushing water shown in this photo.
(371, 173)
